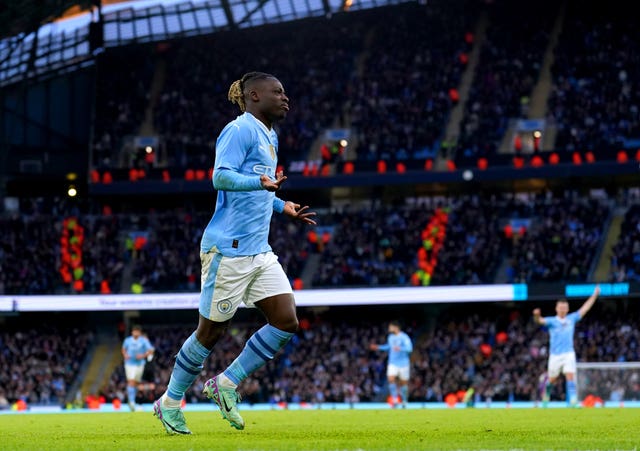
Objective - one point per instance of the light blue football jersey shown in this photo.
(399, 347)
(245, 150)
(134, 346)
(561, 332)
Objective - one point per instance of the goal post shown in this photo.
(612, 382)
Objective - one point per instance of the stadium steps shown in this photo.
(74, 391)
(127, 278)
(603, 266)
(541, 91)
(310, 268)
(105, 358)
(457, 113)
(157, 83)
(501, 272)
(360, 67)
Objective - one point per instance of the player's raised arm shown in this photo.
(589, 302)
(537, 317)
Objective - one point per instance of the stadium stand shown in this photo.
(40, 364)
(493, 348)
(433, 85)
(505, 75)
(592, 101)
(625, 261)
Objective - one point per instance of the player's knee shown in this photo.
(284, 320)
(286, 324)
(208, 334)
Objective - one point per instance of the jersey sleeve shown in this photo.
(407, 344)
(278, 204)
(574, 316)
(549, 322)
(228, 180)
(231, 150)
(232, 146)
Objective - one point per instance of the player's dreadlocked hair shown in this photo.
(236, 90)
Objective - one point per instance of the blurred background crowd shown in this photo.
(400, 95)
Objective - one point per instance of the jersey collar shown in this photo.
(259, 122)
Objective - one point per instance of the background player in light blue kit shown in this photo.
(399, 346)
(238, 265)
(135, 350)
(562, 356)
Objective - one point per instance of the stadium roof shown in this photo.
(42, 36)
(27, 16)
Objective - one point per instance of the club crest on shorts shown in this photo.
(224, 306)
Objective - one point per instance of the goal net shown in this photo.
(608, 382)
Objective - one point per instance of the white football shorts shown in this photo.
(133, 372)
(229, 281)
(401, 372)
(561, 363)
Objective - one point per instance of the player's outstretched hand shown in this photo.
(272, 185)
(295, 211)
(536, 312)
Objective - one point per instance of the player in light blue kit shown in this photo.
(238, 265)
(135, 350)
(562, 356)
(399, 346)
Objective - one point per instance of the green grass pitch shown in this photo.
(333, 430)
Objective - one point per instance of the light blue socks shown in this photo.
(572, 392)
(261, 347)
(131, 394)
(404, 393)
(189, 363)
(393, 391)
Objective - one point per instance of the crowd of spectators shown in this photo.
(121, 98)
(31, 254)
(494, 349)
(390, 75)
(358, 244)
(28, 257)
(314, 68)
(169, 258)
(594, 102)
(155, 250)
(39, 364)
(510, 60)
(287, 379)
(378, 245)
(399, 102)
(371, 245)
(473, 248)
(386, 73)
(625, 258)
(562, 242)
(370, 69)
